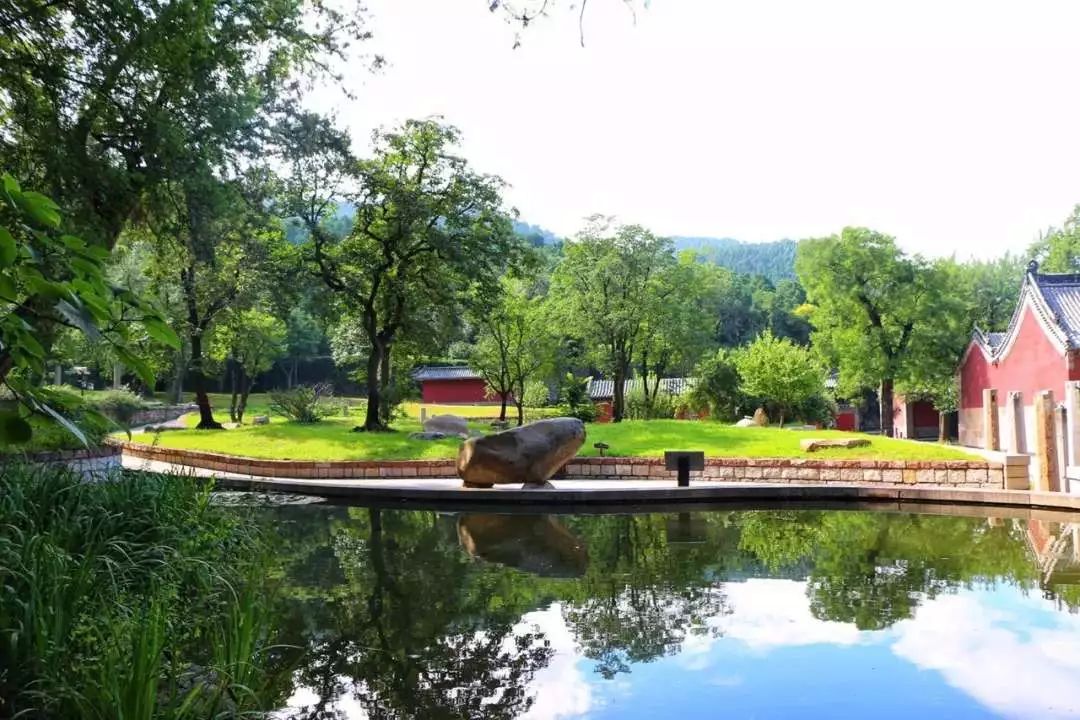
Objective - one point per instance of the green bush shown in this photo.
(118, 405)
(112, 593)
(537, 394)
(303, 404)
(575, 400)
(660, 406)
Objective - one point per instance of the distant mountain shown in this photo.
(535, 234)
(775, 260)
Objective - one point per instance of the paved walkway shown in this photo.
(611, 495)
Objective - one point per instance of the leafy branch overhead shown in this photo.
(50, 280)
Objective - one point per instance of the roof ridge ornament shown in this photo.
(1033, 266)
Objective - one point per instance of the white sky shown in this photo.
(951, 124)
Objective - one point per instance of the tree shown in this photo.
(105, 99)
(717, 386)
(514, 344)
(604, 287)
(780, 372)
(214, 240)
(1058, 249)
(872, 303)
(48, 281)
(428, 233)
(248, 341)
(303, 340)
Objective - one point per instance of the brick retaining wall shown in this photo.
(951, 473)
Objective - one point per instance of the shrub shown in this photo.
(121, 406)
(303, 404)
(49, 435)
(575, 399)
(110, 592)
(717, 388)
(660, 406)
(537, 394)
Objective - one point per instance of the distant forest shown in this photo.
(774, 260)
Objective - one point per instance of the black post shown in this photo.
(684, 471)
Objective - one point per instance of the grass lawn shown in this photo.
(332, 439)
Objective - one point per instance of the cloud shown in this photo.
(1021, 661)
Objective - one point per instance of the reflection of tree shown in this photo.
(415, 629)
(641, 595)
(872, 569)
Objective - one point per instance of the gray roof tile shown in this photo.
(605, 389)
(446, 372)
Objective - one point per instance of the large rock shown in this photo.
(761, 418)
(529, 454)
(811, 445)
(537, 544)
(447, 425)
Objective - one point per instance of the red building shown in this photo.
(1039, 351)
(451, 384)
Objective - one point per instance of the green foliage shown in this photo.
(574, 400)
(605, 288)
(880, 315)
(50, 280)
(118, 405)
(779, 372)
(657, 406)
(305, 404)
(537, 394)
(111, 593)
(717, 387)
(1058, 248)
(429, 234)
(49, 435)
(773, 260)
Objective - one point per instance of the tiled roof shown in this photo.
(446, 372)
(1062, 295)
(605, 389)
(1055, 300)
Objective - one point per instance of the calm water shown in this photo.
(402, 614)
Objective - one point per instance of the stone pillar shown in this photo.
(1063, 445)
(909, 419)
(1072, 422)
(1045, 443)
(991, 434)
(423, 414)
(1014, 423)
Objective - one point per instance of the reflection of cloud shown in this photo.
(560, 689)
(776, 613)
(1006, 659)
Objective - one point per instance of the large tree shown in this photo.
(428, 232)
(105, 99)
(247, 342)
(872, 305)
(604, 289)
(781, 373)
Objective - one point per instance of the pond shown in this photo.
(390, 613)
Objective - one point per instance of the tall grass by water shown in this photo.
(134, 599)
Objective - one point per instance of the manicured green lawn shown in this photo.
(332, 439)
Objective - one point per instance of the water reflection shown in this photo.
(403, 614)
(537, 544)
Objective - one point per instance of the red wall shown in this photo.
(845, 419)
(1033, 363)
(455, 391)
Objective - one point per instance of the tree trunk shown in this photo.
(234, 380)
(886, 407)
(502, 407)
(177, 391)
(520, 411)
(386, 389)
(244, 393)
(618, 398)
(942, 428)
(198, 379)
(117, 376)
(645, 376)
(58, 374)
(374, 399)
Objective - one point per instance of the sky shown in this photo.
(949, 124)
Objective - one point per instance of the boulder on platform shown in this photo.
(529, 454)
(746, 422)
(447, 425)
(811, 445)
(261, 420)
(537, 544)
(761, 418)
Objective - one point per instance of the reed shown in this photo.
(136, 598)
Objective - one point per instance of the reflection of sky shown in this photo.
(974, 654)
